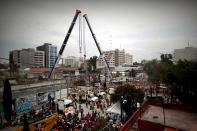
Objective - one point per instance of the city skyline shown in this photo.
(144, 29)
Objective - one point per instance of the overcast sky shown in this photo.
(143, 28)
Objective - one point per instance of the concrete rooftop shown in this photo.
(174, 118)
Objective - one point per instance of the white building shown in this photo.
(128, 59)
(71, 61)
(188, 53)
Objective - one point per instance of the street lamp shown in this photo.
(121, 104)
(123, 101)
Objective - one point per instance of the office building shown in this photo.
(14, 58)
(26, 58)
(50, 54)
(39, 58)
(119, 57)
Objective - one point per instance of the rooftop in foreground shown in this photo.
(173, 118)
(153, 117)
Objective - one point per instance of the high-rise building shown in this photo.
(39, 58)
(128, 59)
(50, 54)
(27, 58)
(110, 58)
(188, 53)
(119, 57)
(113, 57)
(15, 57)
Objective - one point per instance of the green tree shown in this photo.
(91, 64)
(180, 77)
(130, 94)
(150, 68)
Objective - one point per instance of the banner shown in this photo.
(45, 97)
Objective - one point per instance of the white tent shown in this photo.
(116, 109)
(67, 101)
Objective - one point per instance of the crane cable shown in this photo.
(80, 34)
(84, 45)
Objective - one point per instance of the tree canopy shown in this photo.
(91, 63)
(180, 77)
(131, 95)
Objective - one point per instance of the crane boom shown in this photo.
(97, 44)
(65, 42)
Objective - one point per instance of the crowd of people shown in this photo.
(76, 122)
(83, 121)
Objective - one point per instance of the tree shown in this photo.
(166, 58)
(130, 94)
(179, 77)
(91, 63)
(7, 101)
(150, 68)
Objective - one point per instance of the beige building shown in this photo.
(110, 58)
(115, 58)
(128, 59)
(119, 57)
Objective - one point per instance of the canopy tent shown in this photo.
(116, 109)
(67, 101)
